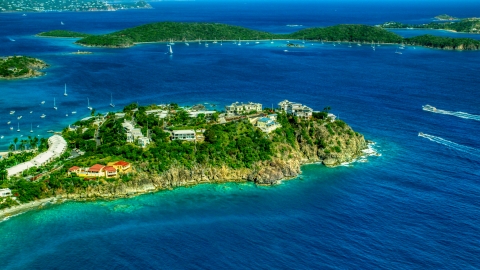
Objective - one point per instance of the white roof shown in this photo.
(183, 131)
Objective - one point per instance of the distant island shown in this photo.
(469, 25)
(20, 67)
(445, 17)
(68, 5)
(147, 148)
(192, 32)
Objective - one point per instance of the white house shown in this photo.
(239, 108)
(295, 108)
(186, 135)
(5, 192)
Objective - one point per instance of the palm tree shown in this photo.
(15, 141)
(11, 147)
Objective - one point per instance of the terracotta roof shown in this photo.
(121, 163)
(74, 168)
(109, 169)
(96, 168)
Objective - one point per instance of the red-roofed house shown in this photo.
(110, 171)
(96, 170)
(121, 166)
(74, 169)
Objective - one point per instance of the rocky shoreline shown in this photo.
(284, 166)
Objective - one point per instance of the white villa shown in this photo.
(135, 134)
(239, 108)
(186, 135)
(296, 109)
(268, 124)
(5, 192)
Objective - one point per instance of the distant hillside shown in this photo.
(348, 32)
(466, 25)
(444, 43)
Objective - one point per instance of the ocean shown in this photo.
(414, 207)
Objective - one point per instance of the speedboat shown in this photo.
(429, 108)
(12, 112)
(420, 134)
(20, 117)
(8, 123)
(42, 116)
(43, 102)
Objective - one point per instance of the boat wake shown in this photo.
(463, 115)
(456, 146)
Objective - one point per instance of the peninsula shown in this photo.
(158, 147)
(188, 32)
(469, 25)
(20, 67)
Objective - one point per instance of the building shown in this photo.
(56, 147)
(332, 117)
(5, 192)
(268, 124)
(185, 135)
(194, 114)
(121, 166)
(296, 109)
(240, 108)
(143, 141)
(135, 134)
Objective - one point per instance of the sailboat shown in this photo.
(215, 41)
(61, 23)
(43, 102)
(18, 129)
(111, 101)
(42, 116)
(349, 44)
(65, 93)
(12, 112)
(31, 128)
(239, 42)
(54, 106)
(397, 52)
(170, 49)
(171, 42)
(88, 103)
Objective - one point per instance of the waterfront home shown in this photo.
(5, 192)
(296, 109)
(186, 135)
(332, 117)
(194, 114)
(241, 108)
(267, 124)
(121, 166)
(135, 134)
(143, 141)
(95, 171)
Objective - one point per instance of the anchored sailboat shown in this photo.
(18, 129)
(88, 103)
(170, 49)
(31, 128)
(65, 93)
(54, 106)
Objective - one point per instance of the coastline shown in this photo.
(150, 183)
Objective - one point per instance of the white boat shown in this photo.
(42, 116)
(12, 112)
(8, 123)
(65, 93)
(111, 101)
(285, 50)
(18, 128)
(257, 42)
(358, 44)
(31, 128)
(62, 23)
(20, 117)
(171, 42)
(54, 106)
(43, 102)
(349, 44)
(186, 43)
(88, 104)
(11, 128)
(206, 44)
(31, 111)
(74, 112)
(170, 49)
(247, 43)
(1, 137)
(66, 115)
(420, 134)
(215, 41)
(239, 42)
(24, 15)
(429, 108)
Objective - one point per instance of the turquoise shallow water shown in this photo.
(416, 206)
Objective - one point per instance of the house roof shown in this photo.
(121, 163)
(264, 119)
(74, 168)
(109, 169)
(96, 168)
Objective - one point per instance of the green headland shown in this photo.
(19, 67)
(188, 32)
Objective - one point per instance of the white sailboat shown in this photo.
(239, 42)
(43, 102)
(215, 41)
(18, 128)
(65, 93)
(61, 23)
(170, 49)
(111, 101)
(31, 128)
(54, 106)
(88, 103)
(42, 116)
(12, 112)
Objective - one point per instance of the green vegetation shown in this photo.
(167, 31)
(236, 144)
(466, 25)
(348, 32)
(444, 42)
(445, 17)
(63, 33)
(12, 67)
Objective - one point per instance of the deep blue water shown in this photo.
(416, 206)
